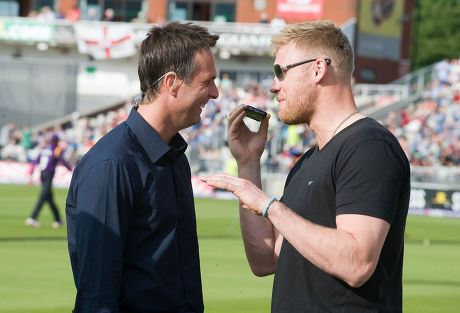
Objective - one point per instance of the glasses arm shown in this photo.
(285, 67)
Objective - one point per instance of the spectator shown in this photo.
(6, 132)
(226, 83)
(32, 14)
(109, 15)
(92, 14)
(73, 14)
(46, 14)
(13, 151)
(263, 18)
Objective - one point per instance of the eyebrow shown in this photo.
(210, 79)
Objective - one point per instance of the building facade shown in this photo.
(79, 38)
(380, 30)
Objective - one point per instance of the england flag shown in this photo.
(105, 40)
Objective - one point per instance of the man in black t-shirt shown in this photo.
(335, 239)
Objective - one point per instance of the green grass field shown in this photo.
(35, 274)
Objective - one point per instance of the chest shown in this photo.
(165, 195)
(311, 190)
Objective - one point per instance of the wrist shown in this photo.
(248, 168)
(267, 206)
(248, 164)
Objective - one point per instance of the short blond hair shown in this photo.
(320, 39)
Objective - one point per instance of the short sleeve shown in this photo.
(369, 180)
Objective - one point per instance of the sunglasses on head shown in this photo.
(280, 70)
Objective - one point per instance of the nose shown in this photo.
(275, 87)
(213, 92)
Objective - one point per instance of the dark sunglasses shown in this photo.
(280, 70)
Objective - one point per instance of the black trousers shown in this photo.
(46, 195)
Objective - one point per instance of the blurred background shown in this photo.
(69, 67)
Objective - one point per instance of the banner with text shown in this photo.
(30, 31)
(435, 202)
(300, 9)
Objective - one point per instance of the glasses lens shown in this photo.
(278, 71)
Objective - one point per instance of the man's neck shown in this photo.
(155, 115)
(333, 113)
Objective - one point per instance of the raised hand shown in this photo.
(245, 145)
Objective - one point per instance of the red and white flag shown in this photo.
(105, 41)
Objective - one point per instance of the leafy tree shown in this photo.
(436, 31)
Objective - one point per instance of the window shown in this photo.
(9, 8)
(177, 11)
(210, 10)
(201, 11)
(124, 10)
(224, 12)
(368, 74)
(38, 4)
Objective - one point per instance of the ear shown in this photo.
(172, 83)
(320, 69)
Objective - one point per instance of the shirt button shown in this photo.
(185, 268)
(181, 233)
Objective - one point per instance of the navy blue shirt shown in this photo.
(131, 225)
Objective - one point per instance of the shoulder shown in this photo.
(368, 143)
(117, 146)
(369, 131)
(368, 128)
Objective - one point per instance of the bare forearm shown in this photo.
(257, 232)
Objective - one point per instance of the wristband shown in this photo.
(264, 213)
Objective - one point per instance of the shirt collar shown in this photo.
(150, 140)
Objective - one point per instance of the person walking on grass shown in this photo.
(50, 156)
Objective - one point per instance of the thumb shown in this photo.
(263, 129)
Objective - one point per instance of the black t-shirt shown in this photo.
(362, 170)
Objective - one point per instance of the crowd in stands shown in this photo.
(46, 14)
(429, 130)
(92, 13)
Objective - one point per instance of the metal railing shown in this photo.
(441, 177)
(368, 95)
(406, 90)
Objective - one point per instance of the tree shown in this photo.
(436, 31)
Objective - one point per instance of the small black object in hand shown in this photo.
(255, 113)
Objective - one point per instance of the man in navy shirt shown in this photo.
(50, 156)
(130, 210)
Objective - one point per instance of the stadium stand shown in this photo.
(428, 127)
(421, 109)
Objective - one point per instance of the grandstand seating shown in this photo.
(422, 110)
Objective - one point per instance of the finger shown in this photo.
(263, 129)
(234, 113)
(224, 177)
(221, 182)
(218, 175)
(238, 120)
(234, 117)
